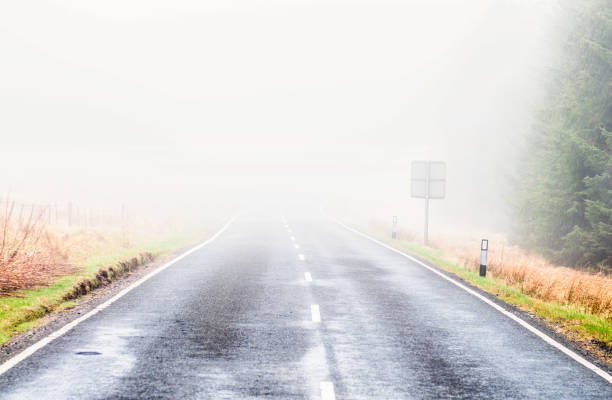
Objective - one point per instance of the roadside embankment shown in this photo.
(106, 275)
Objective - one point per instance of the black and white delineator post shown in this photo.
(394, 229)
(484, 247)
(428, 181)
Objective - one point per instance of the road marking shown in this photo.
(11, 362)
(301, 257)
(297, 246)
(316, 314)
(308, 276)
(293, 238)
(327, 391)
(499, 308)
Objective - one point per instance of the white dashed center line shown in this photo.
(326, 387)
(327, 391)
(316, 315)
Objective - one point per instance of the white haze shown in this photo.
(169, 106)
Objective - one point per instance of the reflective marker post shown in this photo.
(484, 247)
(394, 230)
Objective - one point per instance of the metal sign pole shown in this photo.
(428, 182)
(426, 232)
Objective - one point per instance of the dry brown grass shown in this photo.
(536, 277)
(30, 255)
(530, 273)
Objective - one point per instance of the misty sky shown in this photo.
(182, 98)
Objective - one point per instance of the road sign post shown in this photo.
(394, 229)
(427, 188)
(428, 181)
(484, 248)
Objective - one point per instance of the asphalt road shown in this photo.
(239, 319)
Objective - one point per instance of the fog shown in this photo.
(177, 106)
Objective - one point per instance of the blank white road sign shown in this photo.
(432, 171)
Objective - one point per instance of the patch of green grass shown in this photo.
(23, 309)
(571, 318)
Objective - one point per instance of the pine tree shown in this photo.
(565, 197)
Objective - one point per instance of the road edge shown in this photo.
(484, 298)
(28, 351)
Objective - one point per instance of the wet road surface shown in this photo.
(298, 309)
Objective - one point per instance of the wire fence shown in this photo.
(66, 214)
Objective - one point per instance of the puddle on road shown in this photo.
(67, 372)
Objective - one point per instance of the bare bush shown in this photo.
(29, 255)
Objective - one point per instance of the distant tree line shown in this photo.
(564, 202)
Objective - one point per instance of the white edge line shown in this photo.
(499, 308)
(10, 363)
(308, 276)
(327, 391)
